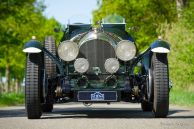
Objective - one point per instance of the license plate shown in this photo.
(97, 96)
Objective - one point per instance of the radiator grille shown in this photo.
(97, 51)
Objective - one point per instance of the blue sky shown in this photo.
(70, 10)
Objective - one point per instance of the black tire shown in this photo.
(159, 66)
(49, 65)
(148, 85)
(146, 106)
(50, 69)
(33, 86)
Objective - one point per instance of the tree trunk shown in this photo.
(1, 78)
(17, 85)
(7, 75)
(7, 70)
(1, 83)
(180, 4)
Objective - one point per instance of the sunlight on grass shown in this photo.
(181, 97)
(11, 99)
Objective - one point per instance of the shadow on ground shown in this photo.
(90, 112)
(12, 113)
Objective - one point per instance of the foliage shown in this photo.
(10, 99)
(19, 21)
(145, 16)
(181, 37)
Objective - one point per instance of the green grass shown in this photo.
(182, 98)
(11, 99)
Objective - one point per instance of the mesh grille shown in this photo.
(97, 51)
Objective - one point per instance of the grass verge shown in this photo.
(11, 99)
(182, 98)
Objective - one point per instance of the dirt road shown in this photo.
(98, 116)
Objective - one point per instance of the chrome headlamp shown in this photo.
(125, 50)
(81, 65)
(111, 65)
(68, 50)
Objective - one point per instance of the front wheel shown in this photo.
(33, 86)
(160, 75)
(50, 69)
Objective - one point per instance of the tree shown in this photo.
(18, 23)
(145, 15)
(180, 4)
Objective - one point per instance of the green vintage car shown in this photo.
(96, 65)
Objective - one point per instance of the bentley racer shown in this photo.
(96, 65)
